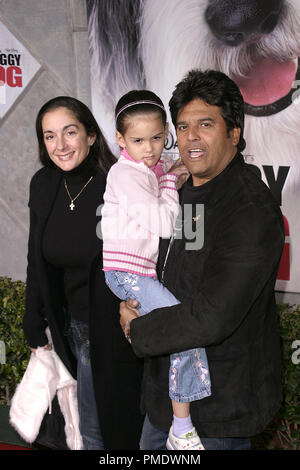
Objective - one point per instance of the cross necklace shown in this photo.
(72, 199)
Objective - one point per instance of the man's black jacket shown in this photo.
(226, 290)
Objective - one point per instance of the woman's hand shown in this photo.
(47, 347)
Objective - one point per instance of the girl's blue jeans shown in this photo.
(189, 378)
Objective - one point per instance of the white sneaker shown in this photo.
(187, 441)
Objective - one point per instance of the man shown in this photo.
(225, 285)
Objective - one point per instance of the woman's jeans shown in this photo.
(88, 416)
(189, 378)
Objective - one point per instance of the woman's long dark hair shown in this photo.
(100, 152)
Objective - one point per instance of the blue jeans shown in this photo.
(154, 438)
(189, 375)
(88, 417)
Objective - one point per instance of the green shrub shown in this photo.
(12, 305)
(283, 432)
(288, 421)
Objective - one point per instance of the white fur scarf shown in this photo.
(45, 376)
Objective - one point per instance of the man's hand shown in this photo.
(128, 312)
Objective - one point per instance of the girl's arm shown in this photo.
(148, 203)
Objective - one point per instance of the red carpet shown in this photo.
(12, 447)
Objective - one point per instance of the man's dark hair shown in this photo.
(214, 88)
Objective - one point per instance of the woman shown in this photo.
(66, 287)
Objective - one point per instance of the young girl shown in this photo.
(141, 205)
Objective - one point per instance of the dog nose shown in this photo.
(233, 21)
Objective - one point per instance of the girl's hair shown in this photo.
(138, 102)
(215, 88)
(100, 152)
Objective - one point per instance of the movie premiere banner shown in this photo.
(17, 68)
(138, 44)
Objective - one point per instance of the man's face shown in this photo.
(204, 144)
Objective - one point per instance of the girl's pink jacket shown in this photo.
(140, 206)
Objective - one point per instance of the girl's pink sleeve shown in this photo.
(158, 169)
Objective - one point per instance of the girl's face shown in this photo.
(144, 137)
(65, 138)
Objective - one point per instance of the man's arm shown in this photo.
(242, 261)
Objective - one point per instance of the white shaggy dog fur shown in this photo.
(154, 43)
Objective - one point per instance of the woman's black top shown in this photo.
(70, 235)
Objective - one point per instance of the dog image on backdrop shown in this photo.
(153, 44)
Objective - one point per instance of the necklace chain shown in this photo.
(72, 205)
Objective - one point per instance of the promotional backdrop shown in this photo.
(17, 68)
(151, 44)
